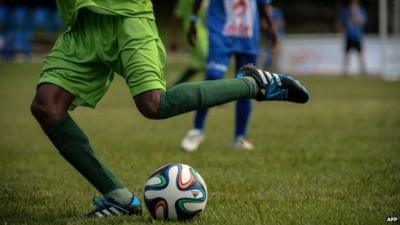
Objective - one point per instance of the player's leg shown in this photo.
(142, 66)
(156, 103)
(255, 83)
(251, 83)
(49, 107)
(347, 49)
(72, 76)
(147, 86)
(361, 59)
(363, 65)
(243, 108)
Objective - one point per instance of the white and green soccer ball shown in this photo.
(175, 192)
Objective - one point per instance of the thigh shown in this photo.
(142, 55)
(74, 65)
(357, 46)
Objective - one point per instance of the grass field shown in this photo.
(335, 160)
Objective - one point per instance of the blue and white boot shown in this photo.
(276, 87)
(106, 208)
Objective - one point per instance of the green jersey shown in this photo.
(129, 8)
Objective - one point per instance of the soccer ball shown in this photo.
(175, 192)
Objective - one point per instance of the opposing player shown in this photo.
(198, 52)
(351, 22)
(103, 37)
(233, 30)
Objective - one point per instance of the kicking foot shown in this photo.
(241, 143)
(276, 87)
(105, 208)
(192, 140)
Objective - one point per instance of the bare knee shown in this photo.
(46, 113)
(50, 104)
(148, 103)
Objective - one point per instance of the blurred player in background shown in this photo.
(198, 52)
(233, 27)
(272, 53)
(104, 37)
(351, 22)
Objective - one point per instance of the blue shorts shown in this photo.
(218, 63)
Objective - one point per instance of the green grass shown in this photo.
(335, 160)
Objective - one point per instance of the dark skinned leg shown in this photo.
(148, 103)
(50, 104)
(186, 97)
(50, 107)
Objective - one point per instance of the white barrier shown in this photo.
(323, 54)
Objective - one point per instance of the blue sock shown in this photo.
(243, 109)
(200, 119)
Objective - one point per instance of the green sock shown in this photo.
(74, 146)
(187, 97)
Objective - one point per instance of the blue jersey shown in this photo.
(353, 23)
(234, 25)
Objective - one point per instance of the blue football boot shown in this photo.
(105, 208)
(275, 87)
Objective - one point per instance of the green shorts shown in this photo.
(84, 58)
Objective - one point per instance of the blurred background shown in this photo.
(311, 41)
